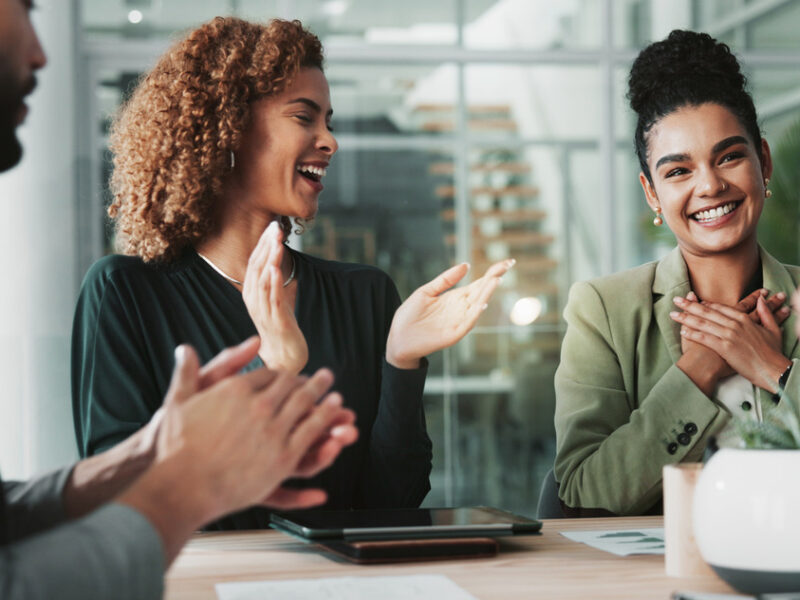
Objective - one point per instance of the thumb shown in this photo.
(185, 376)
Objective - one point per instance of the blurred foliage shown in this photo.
(779, 227)
(780, 429)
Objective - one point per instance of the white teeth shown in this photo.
(318, 171)
(714, 213)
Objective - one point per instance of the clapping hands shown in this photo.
(271, 306)
(436, 316)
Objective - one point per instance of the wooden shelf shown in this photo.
(448, 168)
(448, 191)
(512, 238)
(481, 124)
(521, 214)
(473, 109)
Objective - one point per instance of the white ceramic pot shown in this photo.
(747, 518)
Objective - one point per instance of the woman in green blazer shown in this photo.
(656, 359)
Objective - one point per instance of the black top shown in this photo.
(131, 316)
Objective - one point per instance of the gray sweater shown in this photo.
(113, 552)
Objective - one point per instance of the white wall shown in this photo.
(38, 249)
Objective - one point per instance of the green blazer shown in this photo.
(623, 409)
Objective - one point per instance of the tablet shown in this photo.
(404, 523)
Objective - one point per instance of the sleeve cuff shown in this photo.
(401, 393)
(687, 416)
(36, 505)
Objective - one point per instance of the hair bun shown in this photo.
(687, 69)
(683, 61)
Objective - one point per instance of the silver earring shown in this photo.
(768, 192)
(233, 160)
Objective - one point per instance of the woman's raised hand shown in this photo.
(271, 306)
(433, 318)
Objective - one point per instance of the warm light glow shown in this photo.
(526, 311)
(135, 16)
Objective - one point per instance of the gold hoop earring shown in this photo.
(658, 221)
(767, 192)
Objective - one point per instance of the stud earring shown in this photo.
(768, 192)
(658, 221)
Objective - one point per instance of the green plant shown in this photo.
(779, 430)
(779, 226)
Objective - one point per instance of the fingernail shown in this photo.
(674, 314)
(683, 331)
(484, 307)
(334, 399)
(679, 301)
(780, 295)
(469, 266)
(180, 354)
(784, 310)
(512, 262)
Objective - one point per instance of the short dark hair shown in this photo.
(687, 69)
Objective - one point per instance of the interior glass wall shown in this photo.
(473, 130)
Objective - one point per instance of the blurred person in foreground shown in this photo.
(109, 526)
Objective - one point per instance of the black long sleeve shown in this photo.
(131, 315)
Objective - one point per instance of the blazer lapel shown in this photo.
(777, 279)
(671, 279)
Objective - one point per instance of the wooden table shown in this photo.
(548, 566)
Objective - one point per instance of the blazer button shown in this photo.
(684, 439)
(690, 428)
(672, 448)
(746, 405)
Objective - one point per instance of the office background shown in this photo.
(468, 129)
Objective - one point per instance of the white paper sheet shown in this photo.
(622, 542)
(406, 587)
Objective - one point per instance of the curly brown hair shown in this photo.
(172, 140)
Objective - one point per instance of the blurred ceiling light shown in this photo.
(335, 8)
(135, 16)
(526, 311)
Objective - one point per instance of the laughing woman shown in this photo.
(220, 146)
(656, 360)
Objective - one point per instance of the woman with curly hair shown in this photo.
(223, 143)
(656, 360)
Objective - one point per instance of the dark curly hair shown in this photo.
(172, 140)
(687, 69)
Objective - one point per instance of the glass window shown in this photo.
(549, 102)
(336, 22)
(389, 100)
(478, 151)
(532, 24)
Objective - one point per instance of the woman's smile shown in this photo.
(312, 173)
(708, 180)
(716, 216)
